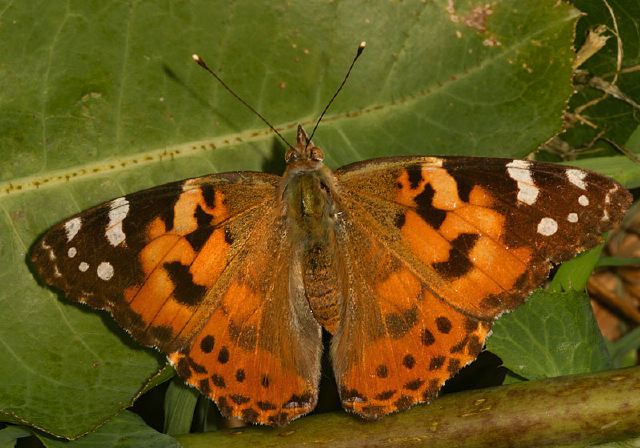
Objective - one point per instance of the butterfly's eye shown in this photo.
(291, 155)
(316, 154)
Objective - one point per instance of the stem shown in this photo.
(575, 410)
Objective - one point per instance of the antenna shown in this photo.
(358, 53)
(198, 60)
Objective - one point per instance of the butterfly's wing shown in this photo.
(200, 270)
(435, 249)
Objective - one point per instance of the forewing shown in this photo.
(149, 257)
(435, 249)
(482, 232)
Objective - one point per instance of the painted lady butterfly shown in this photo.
(406, 261)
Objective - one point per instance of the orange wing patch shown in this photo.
(182, 260)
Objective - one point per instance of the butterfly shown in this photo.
(405, 261)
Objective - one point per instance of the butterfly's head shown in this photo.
(305, 153)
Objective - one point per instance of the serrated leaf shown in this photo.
(125, 430)
(552, 334)
(98, 99)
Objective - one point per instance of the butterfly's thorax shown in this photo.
(308, 194)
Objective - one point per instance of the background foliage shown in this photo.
(98, 99)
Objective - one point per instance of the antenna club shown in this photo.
(360, 48)
(196, 58)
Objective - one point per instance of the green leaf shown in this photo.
(618, 261)
(552, 334)
(101, 98)
(574, 274)
(613, 118)
(125, 430)
(624, 350)
(179, 406)
(10, 435)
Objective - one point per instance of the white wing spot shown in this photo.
(547, 227)
(105, 271)
(83, 267)
(72, 227)
(518, 170)
(576, 177)
(56, 272)
(117, 214)
(605, 216)
(583, 200)
(72, 252)
(572, 217)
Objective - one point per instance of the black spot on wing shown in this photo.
(266, 405)
(239, 399)
(414, 385)
(415, 175)
(382, 371)
(223, 355)
(427, 337)
(409, 361)
(208, 194)
(207, 343)
(458, 263)
(436, 362)
(203, 231)
(387, 394)
(186, 291)
(430, 214)
(218, 381)
(444, 324)
(228, 236)
(182, 369)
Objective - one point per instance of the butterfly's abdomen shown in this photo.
(311, 213)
